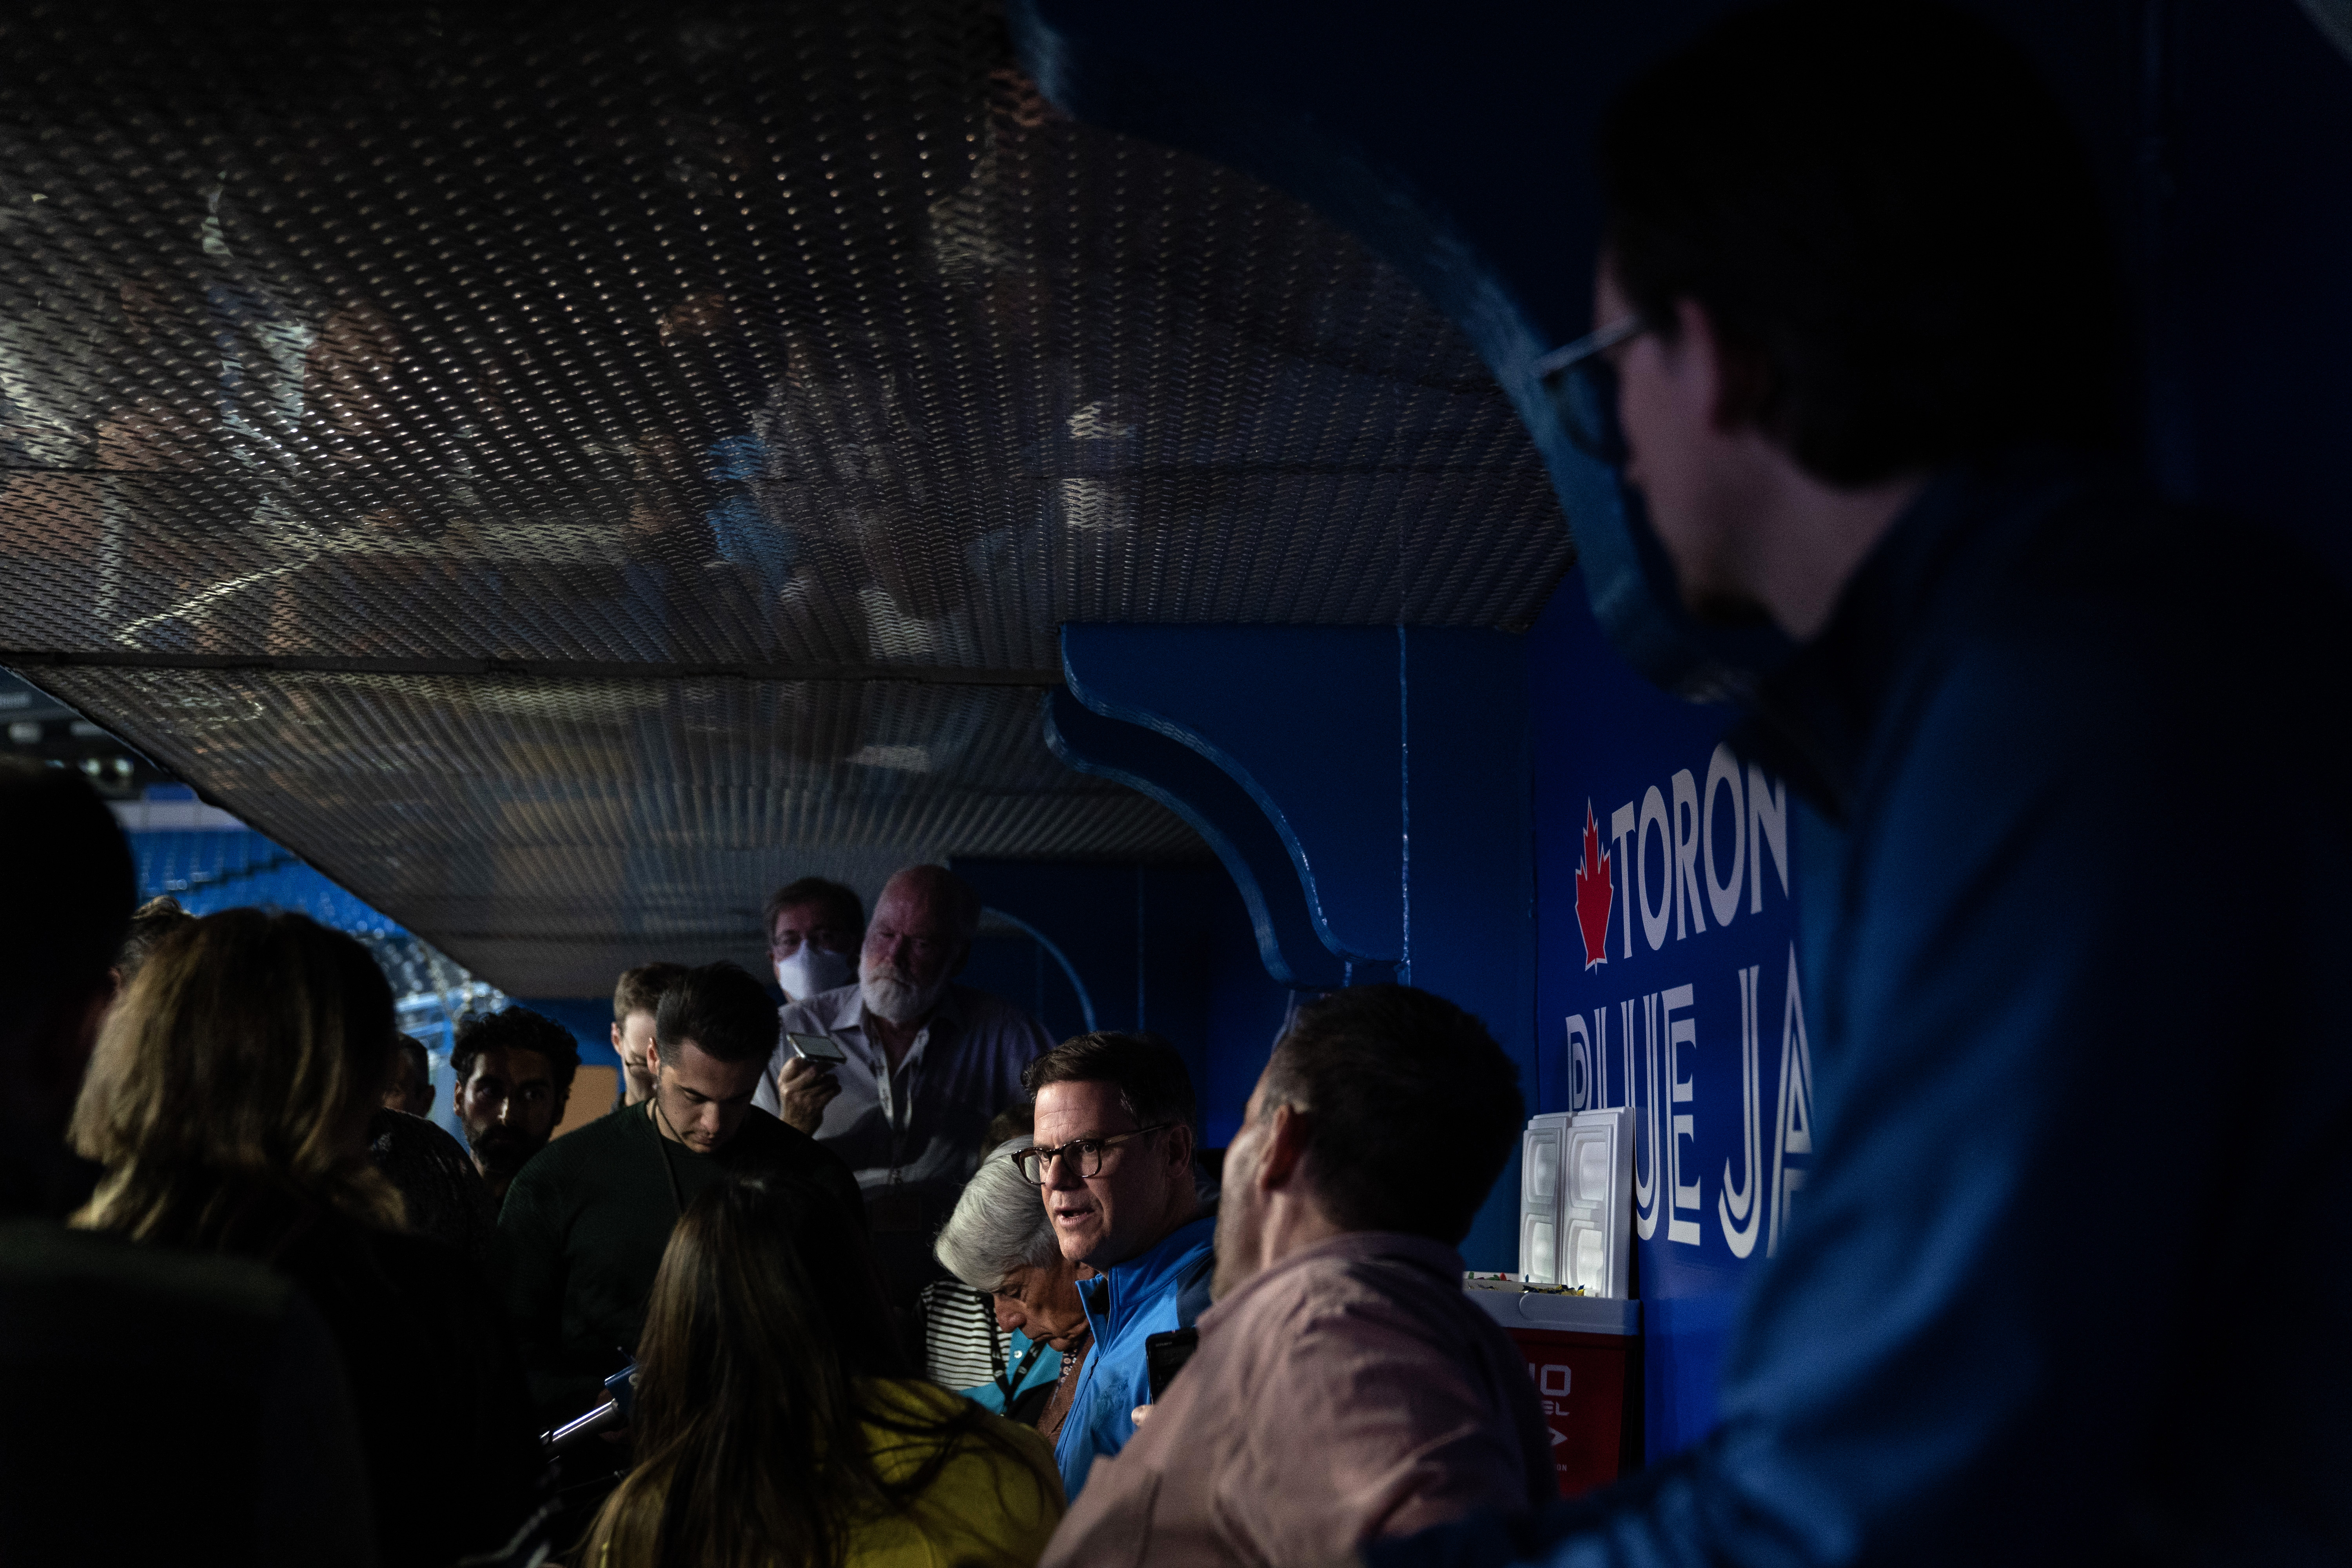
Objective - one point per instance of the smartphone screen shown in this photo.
(816, 1047)
(1164, 1356)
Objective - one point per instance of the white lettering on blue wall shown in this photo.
(1793, 1123)
(1723, 774)
(1682, 1033)
(1645, 1149)
(1668, 1184)
(1737, 1208)
(1686, 790)
(1695, 841)
(1654, 926)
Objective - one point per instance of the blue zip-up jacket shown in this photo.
(2071, 1279)
(1154, 1292)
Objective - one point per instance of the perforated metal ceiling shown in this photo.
(563, 475)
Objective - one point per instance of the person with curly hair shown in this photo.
(514, 1074)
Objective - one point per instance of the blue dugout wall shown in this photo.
(1668, 980)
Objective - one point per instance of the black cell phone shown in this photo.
(816, 1047)
(1164, 1356)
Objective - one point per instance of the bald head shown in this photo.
(920, 935)
(936, 890)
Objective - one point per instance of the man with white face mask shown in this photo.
(929, 1062)
(813, 929)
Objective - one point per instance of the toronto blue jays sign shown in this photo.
(1668, 982)
(1642, 1048)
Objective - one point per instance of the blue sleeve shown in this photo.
(1971, 1341)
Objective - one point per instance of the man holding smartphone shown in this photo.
(899, 1072)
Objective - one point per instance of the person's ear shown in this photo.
(616, 1040)
(1732, 379)
(1179, 1146)
(94, 1009)
(1283, 1146)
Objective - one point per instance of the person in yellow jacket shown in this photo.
(776, 1422)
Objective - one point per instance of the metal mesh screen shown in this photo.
(550, 832)
(392, 402)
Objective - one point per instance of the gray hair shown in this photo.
(1000, 1224)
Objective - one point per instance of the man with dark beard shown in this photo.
(929, 1062)
(514, 1075)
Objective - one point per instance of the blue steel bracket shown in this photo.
(1307, 719)
(1367, 787)
(1221, 812)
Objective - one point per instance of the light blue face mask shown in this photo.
(1628, 577)
(812, 969)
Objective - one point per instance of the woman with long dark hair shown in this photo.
(777, 1422)
(228, 1100)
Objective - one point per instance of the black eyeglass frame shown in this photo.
(1090, 1149)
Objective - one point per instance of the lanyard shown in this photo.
(901, 1118)
(669, 1169)
(1011, 1383)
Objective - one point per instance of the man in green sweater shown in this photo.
(584, 1223)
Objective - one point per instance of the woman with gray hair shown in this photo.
(1001, 1243)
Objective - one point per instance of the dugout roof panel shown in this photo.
(565, 469)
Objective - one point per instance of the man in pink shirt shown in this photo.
(1343, 1388)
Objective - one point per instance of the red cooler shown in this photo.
(1579, 1351)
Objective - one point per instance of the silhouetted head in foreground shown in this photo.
(1848, 244)
(73, 886)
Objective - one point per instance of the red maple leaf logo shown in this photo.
(1593, 892)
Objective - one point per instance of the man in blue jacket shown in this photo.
(2071, 1278)
(1114, 1158)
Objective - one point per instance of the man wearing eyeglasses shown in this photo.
(1113, 1159)
(1866, 352)
(1346, 1388)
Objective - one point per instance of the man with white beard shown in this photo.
(929, 1063)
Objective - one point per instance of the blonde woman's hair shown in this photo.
(230, 1092)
